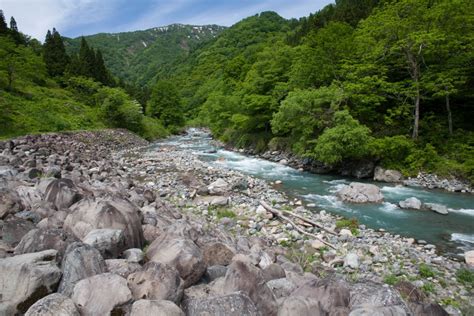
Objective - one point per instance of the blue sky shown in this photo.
(82, 17)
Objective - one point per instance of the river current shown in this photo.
(452, 233)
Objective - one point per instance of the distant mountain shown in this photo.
(137, 57)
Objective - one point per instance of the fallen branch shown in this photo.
(279, 214)
(309, 222)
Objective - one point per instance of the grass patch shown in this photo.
(351, 224)
(465, 277)
(426, 271)
(428, 288)
(221, 213)
(450, 301)
(391, 279)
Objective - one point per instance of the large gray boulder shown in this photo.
(155, 308)
(235, 304)
(29, 196)
(387, 175)
(373, 296)
(156, 281)
(122, 267)
(301, 306)
(62, 193)
(217, 253)
(245, 277)
(42, 239)
(114, 213)
(181, 253)
(438, 208)
(411, 203)
(9, 203)
(357, 192)
(13, 230)
(109, 242)
(378, 311)
(80, 261)
(53, 305)
(101, 294)
(26, 278)
(219, 187)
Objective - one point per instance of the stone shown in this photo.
(345, 232)
(379, 311)
(9, 203)
(281, 287)
(300, 306)
(62, 193)
(218, 187)
(374, 295)
(316, 244)
(109, 242)
(135, 255)
(80, 261)
(272, 272)
(351, 260)
(181, 253)
(150, 233)
(215, 272)
(219, 201)
(101, 294)
(387, 175)
(98, 213)
(43, 239)
(156, 281)
(53, 305)
(469, 258)
(29, 196)
(360, 193)
(438, 208)
(13, 230)
(410, 203)
(155, 308)
(243, 276)
(217, 253)
(235, 304)
(122, 267)
(26, 278)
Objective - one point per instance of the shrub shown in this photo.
(152, 129)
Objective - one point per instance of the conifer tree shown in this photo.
(13, 25)
(55, 56)
(3, 24)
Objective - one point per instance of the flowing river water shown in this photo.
(452, 233)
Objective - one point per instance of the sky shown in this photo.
(74, 18)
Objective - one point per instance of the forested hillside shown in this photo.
(138, 57)
(390, 81)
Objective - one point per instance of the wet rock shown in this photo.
(101, 294)
(26, 278)
(80, 261)
(13, 230)
(43, 239)
(410, 203)
(235, 304)
(217, 253)
(62, 193)
(109, 242)
(387, 175)
(243, 276)
(181, 253)
(438, 208)
(53, 305)
(156, 281)
(360, 193)
(115, 213)
(155, 308)
(122, 267)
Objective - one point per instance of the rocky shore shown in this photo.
(97, 223)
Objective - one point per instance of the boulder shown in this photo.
(273, 271)
(373, 296)
(13, 230)
(411, 203)
(300, 306)
(135, 255)
(469, 258)
(26, 278)
(109, 242)
(245, 277)
(351, 260)
(9, 203)
(155, 308)
(53, 305)
(358, 192)
(122, 267)
(438, 208)
(42, 239)
(156, 281)
(332, 294)
(281, 287)
(217, 253)
(150, 233)
(387, 175)
(62, 193)
(29, 196)
(218, 187)
(101, 294)
(215, 272)
(235, 304)
(80, 261)
(181, 253)
(114, 213)
(378, 311)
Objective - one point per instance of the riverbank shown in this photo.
(202, 229)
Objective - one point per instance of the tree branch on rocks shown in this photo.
(279, 214)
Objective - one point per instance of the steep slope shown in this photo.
(137, 57)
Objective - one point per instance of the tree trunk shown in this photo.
(417, 113)
(450, 119)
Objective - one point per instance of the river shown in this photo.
(452, 233)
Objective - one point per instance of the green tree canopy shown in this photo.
(165, 104)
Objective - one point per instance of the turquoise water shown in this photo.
(452, 234)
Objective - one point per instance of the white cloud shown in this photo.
(35, 17)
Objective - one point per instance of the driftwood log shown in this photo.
(281, 215)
